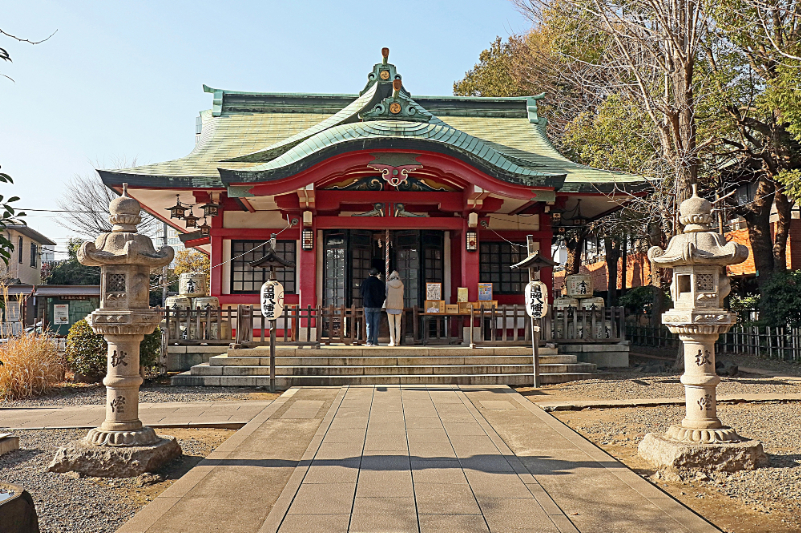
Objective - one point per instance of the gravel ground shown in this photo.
(95, 394)
(767, 499)
(67, 503)
(633, 383)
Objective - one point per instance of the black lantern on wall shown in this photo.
(307, 239)
(471, 241)
(178, 210)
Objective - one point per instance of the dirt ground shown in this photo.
(196, 444)
(733, 513)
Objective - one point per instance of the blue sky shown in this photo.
(123, 79)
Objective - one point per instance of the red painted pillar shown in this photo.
(546, 274)
(216, 256)
(307, 271)
(470, 270)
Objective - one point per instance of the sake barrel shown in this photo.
(587, 303)
(203, 301)
(578, 286)
(192, 284)
(563, 302)
(178, 302)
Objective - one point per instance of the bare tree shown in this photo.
(4, 55)
(649, 53)
(86, 205)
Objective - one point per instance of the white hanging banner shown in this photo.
(536, 299)
(272, 300)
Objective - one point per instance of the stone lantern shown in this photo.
(121, 446)
(698, 258)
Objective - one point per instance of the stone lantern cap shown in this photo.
(123, 245)
(698, 245)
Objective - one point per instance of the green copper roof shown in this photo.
(431, 136)
(249, 136)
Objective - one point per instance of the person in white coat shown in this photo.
(394, 307)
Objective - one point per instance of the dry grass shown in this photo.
(31, 365)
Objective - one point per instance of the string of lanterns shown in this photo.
(179, 211)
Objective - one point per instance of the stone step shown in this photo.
(225, 360)
(387, 351)
(285, 382)
(331, 370)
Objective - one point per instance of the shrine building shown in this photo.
(455, 183)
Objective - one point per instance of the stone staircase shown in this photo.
(418, 365)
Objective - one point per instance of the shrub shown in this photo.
(641, 298)
(87, 351)
(31, 366)
(780, 301)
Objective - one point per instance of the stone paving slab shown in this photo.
(410, 459)
(573, 405)
(450, 458)
(159, 415)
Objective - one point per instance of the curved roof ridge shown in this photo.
(439, 133)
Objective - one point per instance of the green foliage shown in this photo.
(494, 74)
(743, 306)
(72, 272)
(615, 136)
(780, 302)
(9, 215)
(640, 300)
(87, 351)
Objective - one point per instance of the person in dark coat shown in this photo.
(373, 293)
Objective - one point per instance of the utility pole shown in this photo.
(164, 271)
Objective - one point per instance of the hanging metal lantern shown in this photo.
(191, 219)
(210, 209)
(205, 229)
(178, 210)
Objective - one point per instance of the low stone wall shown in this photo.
(182, 358)
(602, 355)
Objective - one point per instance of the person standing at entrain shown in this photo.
(372, 291)
(394, 307)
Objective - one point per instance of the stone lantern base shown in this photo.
(114, 461)
(729, 456)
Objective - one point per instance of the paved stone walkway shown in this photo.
(410, 459)
(160, 415)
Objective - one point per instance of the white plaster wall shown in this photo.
(515, 222)
(259, 219)
(226, 268)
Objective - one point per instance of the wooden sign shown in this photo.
(433, 291)
(272, 300)
(435, 306)
(536, 299)
(461, 294)
(451, 308)
(484, 292)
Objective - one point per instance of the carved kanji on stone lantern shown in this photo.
(125, 258)
(698, 258)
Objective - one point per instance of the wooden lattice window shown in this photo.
(494, 262)
(246, 279)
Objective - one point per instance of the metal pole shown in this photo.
(535, 340)
(272, 342)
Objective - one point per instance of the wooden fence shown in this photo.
(776, 343)
(313, 326)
